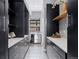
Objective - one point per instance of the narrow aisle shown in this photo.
(36, 52)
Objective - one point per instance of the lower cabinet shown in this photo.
(19, 50)
(61, 53)
(54, 52)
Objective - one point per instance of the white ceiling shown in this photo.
(36, 15)
(35, 5)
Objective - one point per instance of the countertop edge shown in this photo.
(65, 50)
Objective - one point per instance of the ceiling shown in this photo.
(36, 6)
(36, 15)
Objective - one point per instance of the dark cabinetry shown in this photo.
(3, 29)
(18, 18)
(26, 22)
(73, 29)
(52, 26)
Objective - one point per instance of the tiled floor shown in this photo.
(52, 54)
(36, 52)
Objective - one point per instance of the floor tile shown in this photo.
(36, 52)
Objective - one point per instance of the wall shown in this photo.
(44, 22)
(43, 25)
(63, 24)
(73, 29)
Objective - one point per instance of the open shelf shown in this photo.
(17, 11)
(34, 25)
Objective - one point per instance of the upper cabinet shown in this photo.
(52, 26)
(63, 12)
(18, 18)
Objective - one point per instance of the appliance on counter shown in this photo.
(36, 38)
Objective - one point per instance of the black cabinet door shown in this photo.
(19, 17)
(3, 30)
(73, 28)
(52, 26)
(26, 23)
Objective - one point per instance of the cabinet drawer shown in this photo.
(13, 52)
(60, 52)
(18, 51)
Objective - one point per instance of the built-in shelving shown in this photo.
(18, 12)
(34, 25)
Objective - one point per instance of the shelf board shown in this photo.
(34, 23)
(34, 20)
(34, 27)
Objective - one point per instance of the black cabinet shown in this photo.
(12, 13)
(18, 18)
(73, 29)
(52, 26)
(3, 29)
(26, 22)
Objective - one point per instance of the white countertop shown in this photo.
(13, 41)
(60, 42)
(25, 36)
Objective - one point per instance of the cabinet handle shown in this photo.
(4, 24)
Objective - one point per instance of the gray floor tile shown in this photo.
(36, 52)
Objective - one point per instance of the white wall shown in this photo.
(63, 24)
